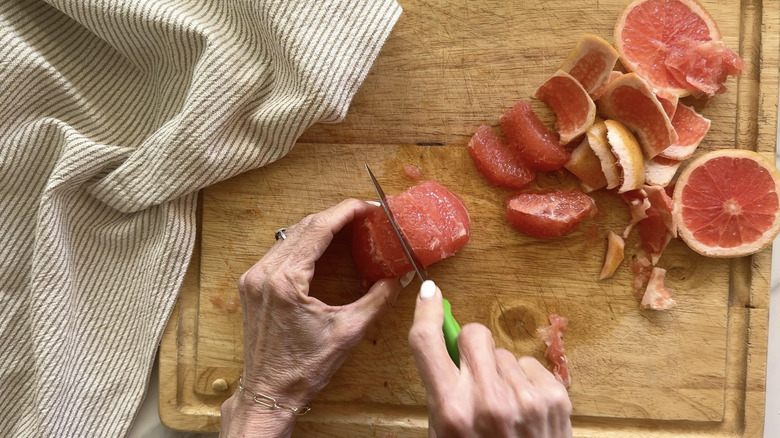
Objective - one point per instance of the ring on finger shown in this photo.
(280, 234)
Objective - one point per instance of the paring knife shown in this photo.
(450, 327)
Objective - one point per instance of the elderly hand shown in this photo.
(493, 394)
(294, 343)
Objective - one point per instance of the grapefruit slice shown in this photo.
(691, 128)
(573, 107)
(615, 254)
(591, 63)
(628, 155)
(536, 145)
(660, 171)
(432, 218)
(597, 140)
(496, 162)
(667, 42)
(728, 203)
(586, 166)
(548, 213)
(630, 100)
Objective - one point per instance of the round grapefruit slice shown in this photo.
(728, 203)
(573, 107)
(591, 62)
(630, 100)
(667, 42)
(628, 154)
(691, 128)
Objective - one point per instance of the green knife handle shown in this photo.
(451, 330)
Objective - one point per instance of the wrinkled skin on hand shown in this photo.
(294, 343)
(493, 394)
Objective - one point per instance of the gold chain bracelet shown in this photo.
(270, 402)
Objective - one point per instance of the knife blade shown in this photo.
(450, 326)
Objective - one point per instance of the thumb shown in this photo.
(375, 303)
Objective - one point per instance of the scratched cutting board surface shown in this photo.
(697, 369)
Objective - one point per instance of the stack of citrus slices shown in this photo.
(628, 132)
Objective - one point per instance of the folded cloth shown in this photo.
(113, 113)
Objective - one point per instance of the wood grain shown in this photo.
(695, 371)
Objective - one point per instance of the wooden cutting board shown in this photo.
(697, 370)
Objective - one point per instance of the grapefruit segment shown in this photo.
(552, 335)
(728, 203)
(691, 128)
(535, 144)
(433, 219)
(573, 107)
(496, 162)
(586, 166)
(591, 63)
(630, 100)
(628, 156)
(548, 213)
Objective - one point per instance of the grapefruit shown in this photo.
(496, 162)
(597, 140)
(728, 203)
(628, 155)
(591, 63)
(548, 213)
(573, 107)
(668, 42)
(691, 128)
(586, 166)
(615, 254)
(536, 145)
(433, 220)
(630, 100)
(660, 171)
(555, 353)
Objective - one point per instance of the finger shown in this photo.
(477, 353)
(308, 239)
(510, 370)
(375, 303)
(426, 340)
(536, 373)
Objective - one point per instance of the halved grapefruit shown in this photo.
(691, 127)
(728, 203)
(496, 162)
(536, 145)
(574, 109)
(630, 100)
(668, 43)
(591, 63)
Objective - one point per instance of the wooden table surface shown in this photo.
(697, 370)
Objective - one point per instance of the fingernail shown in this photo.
(427, 290)
(407, 278)
(374, 203)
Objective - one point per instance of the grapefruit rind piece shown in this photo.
(591, 62)
(573, 107)
(660, 171)
(628, 155)
(728, 203)
(586, 166)
(630, 100)
(597, 140)
(614, 256)
(691, 127)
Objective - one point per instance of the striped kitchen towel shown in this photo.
(113, 114)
